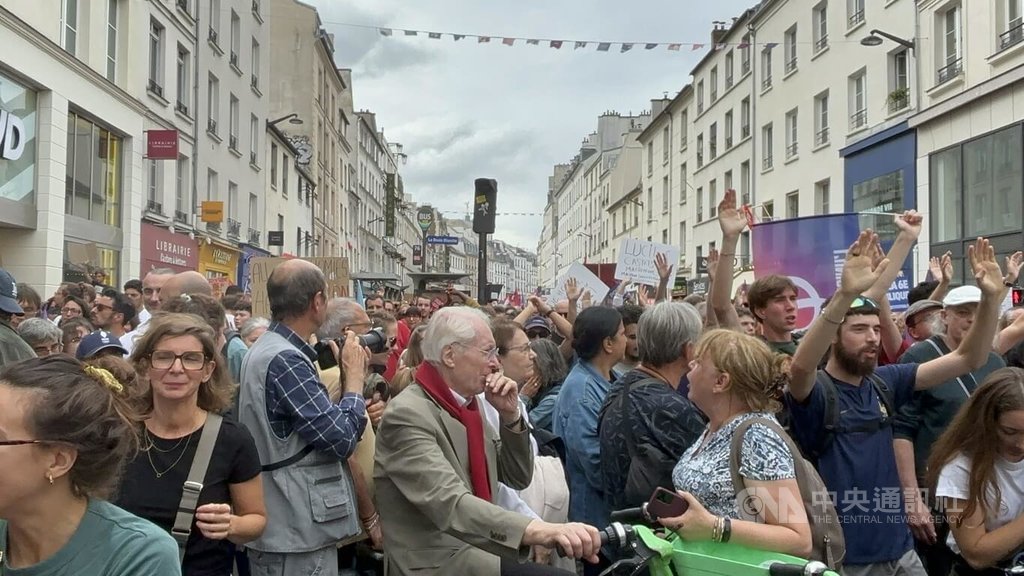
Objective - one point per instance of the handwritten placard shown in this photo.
(585, 280)
(636, 261)
(335, 270)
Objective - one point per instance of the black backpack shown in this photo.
(228, 337)
(832, 425)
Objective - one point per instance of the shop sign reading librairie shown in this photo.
(13, 135)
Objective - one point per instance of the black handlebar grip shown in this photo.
(780, 569)
(629, 515)
(605, 538)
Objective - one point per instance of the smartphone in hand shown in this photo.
(666, 504)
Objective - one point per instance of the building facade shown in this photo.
(71, 169)
(970, 179)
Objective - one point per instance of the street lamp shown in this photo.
(875, 39)
(292, 118)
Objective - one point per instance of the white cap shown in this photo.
(962, 295)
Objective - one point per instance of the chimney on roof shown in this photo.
(718, 32)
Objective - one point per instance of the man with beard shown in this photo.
(839, 415)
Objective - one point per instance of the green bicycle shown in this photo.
(641, 548)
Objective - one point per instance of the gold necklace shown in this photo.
(158, 473)
(149, 441)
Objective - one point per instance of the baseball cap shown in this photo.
(96, 341)
(962, 295)
(9, 293)
(921, 306)
(536, 322)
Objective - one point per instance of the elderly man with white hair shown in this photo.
(438, 464)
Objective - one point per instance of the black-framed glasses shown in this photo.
(102, 307)
(164, 359)
(534, 334)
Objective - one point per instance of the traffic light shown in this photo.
(484, 205)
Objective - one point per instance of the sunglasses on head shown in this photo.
(864, 302)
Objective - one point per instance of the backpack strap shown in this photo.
(194, 482)
(886, 396)
(735, 453)
(831, 424)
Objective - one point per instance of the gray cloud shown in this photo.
(464, 110)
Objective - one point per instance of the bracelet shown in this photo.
(370, 523)
(726, 529)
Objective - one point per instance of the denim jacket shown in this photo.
(575, 421)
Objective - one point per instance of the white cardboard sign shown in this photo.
(636, 261)
(585, 280)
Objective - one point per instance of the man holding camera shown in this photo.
(304, 439)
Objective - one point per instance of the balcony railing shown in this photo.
(155, 88)
(728, 81)
(700, 159)
(713, 149)
(821, 137)
(790, 65)
(233, 142)
(180, 106)
(213, 227)
(1013, 36)
(728, 142)
(858, 119)
(183, 5)
(255, 82)
(792, 150)
(899, 100)
(233, 59)
(821, 43)
(714, 94)
(211, 126)
(766, 83)
(745, 131)
(212, 36)
(254, 237)
(950, 71)
(252, 159)
(856, 18)
(181, 217)
(234, 228)
(766, 162)
(745, 67)
(154, 207)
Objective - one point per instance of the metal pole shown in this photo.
(423, 253)
(481, 271)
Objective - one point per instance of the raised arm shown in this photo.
(910, 228)
(732, 223)
(945, 276)
(973, 351)
(859, 272)
(664, 275)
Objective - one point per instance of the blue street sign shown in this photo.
(445, 240)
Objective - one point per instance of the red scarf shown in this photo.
(469, 416)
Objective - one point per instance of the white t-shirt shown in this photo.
(954, 482)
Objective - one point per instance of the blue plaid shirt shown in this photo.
(298, 402)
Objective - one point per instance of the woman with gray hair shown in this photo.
(42, 335)
(252, 329)
(541, 391)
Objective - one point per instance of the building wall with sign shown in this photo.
(218, 261)
(287, 199)
(84, 142)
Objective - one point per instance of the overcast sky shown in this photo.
(466, 110)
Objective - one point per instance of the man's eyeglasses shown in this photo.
(70, 311)
(45, 350)
(164, 359)
(491, 353)
(102, 307)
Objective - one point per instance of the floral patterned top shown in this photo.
(703, 469)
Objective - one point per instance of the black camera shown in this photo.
(374, 340)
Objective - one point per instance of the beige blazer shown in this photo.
(431, 521)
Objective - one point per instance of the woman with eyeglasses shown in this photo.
(66, 430)
(178, 357)
(73, 307)
(976, 469)
(42, 336)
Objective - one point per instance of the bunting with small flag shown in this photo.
(386, 32)
(533, 42)
(508, 41)
(435, 35)
(580, 45)
(604, 46)
(626, 47)
(556, 44)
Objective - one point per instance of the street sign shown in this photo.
(275, 238)
(417, 255)
(425, 217)
(445, 240)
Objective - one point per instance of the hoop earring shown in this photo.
(50, 478)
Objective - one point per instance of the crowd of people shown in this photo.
(160, 429)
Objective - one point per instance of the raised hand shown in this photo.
(664, 268)
(644, 296)
(860, 270)
(713, 257)
(910, 223)
(987, 273)
(946, 268)
(572, 290)
(587, 299)
(731, 220)
(1013, 265)
(935, 267)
